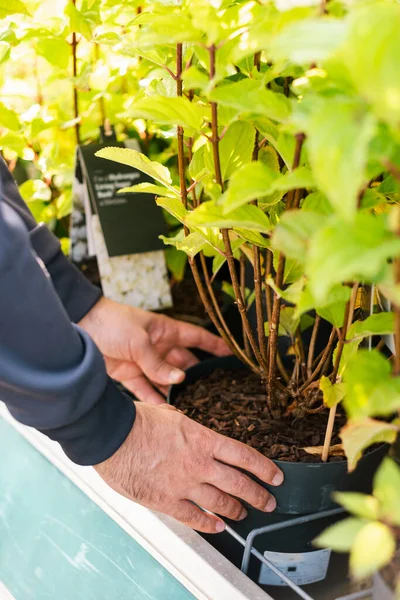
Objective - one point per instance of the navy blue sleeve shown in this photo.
(76, 293)
(52, 376)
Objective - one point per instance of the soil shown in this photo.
(391, 573)
(187, 302)
(234, 403)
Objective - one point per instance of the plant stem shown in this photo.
(311, 350)
(211, 307)
(321, 363)
(243, 291)
(396, 307)
(225, 233)
(348, 318)
(75, 89)
(275, 317)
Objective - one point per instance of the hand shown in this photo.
(168, 462)
(142, 349)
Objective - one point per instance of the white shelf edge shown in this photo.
(183, 552)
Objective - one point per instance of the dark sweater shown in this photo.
(52, 376)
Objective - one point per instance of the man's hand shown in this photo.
(142, 349)
(168, 462)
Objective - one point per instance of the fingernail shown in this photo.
(176, 376)
(271, 505)
(219, 526)
(242, 515)
(278, 479)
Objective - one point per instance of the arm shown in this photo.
(75, 292)
(52, 377)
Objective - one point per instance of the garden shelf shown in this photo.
(191, 559)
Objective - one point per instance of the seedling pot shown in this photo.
(307, 487)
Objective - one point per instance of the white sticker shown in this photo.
(301, 568)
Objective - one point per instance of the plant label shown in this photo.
(302, 568)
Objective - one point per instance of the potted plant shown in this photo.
(288, 152)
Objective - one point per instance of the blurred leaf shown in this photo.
(235, 148)
(360, 505)
(370, 54)
(340, 537)
(85, 19)
(338, 138)
(343, 251)
(373, 547)
(294, 231)
(55, 50)
(371, 389)
(14, 142)
(192, 244)
(308, 41)
(35, 189)
(9, 118)
(64, 204)
(12, 7)
(387, 491)
(357, 436)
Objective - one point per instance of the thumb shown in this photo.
(156, 368)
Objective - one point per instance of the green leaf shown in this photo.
(387, 491)
(359, 435)
(253, 237)
(373, 548)
(333, 393)
(35, 189)
(148, 188)
(136, 160)
(235, 149)
(373, 44)
(343, 251)
(294, 231)
(64, 204)
(192, 244)
(12, 7)
(360, 505)
(85, 19)
(210, 214)
(9, 118)
(14, 142)
(55, 50)
(308, 41)
(371, 389)
(174, 207)
(169, 111)
(340, 537)
(251, 181)
(176, 262)
(338, 138)
(250, 96)
(301, 177)
(317, 202)
(375, 324)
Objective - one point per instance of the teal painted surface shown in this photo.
(56, 544)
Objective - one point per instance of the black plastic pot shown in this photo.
(307, 487)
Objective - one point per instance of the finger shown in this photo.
(143, 390)
(190, 515)
(182, 358)
(209, 497)
(156, 368)
(240, 455)
(163, 389)
(191, 336)
(237, 484)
